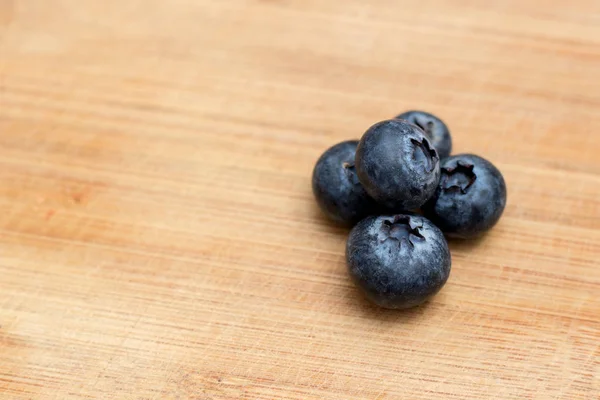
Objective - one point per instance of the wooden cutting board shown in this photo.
(158, 235)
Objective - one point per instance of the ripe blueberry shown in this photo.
(397, 165)
(398, 261)
(470, 197)
(435, 129)
(336, 187)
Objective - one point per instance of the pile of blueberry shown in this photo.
(403, 192)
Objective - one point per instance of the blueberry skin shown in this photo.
(336, 187)
(435, 129)
(398, 261)
(397, 165)
(470, 198)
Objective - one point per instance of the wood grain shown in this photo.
(159, 240)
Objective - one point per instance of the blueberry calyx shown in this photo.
(350, 170)
(424, 153)
(458, 179)
(402, 229)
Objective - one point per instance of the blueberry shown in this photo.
(398, 261)
(470, 197)
(435, 129)
(397, 165)
(336, 186)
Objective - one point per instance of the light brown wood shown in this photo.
(158, 236)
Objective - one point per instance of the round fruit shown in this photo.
(398, 261)
(336, 187)
(435, 129)
(470, 197)
(397, 165)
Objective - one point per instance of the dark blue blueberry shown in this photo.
(470, 198)
(398, 261)
(397, 165)
(337, 188)
(435, 129)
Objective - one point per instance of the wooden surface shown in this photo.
(158, 237)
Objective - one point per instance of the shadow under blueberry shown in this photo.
(331, 227)
(373, 312)
(466, 245)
